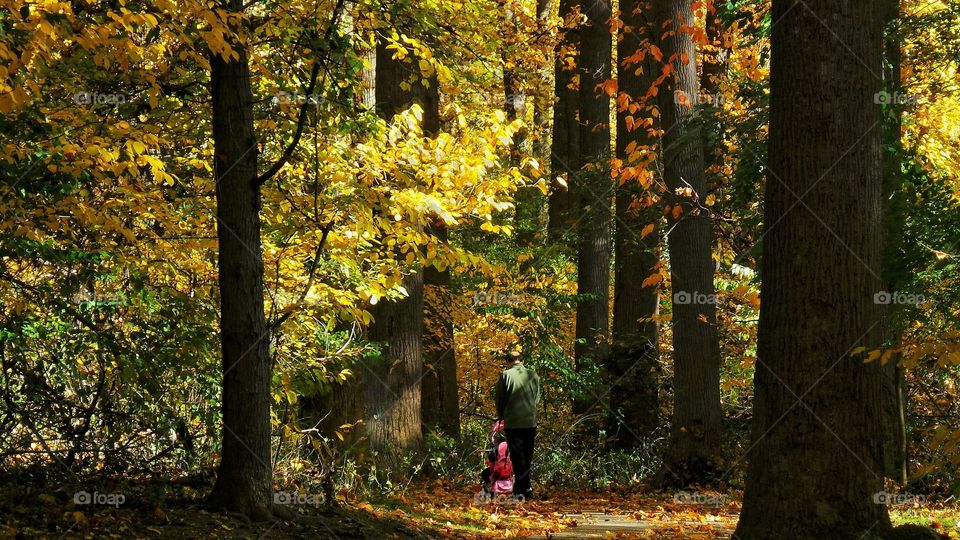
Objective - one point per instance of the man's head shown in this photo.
(511, 358)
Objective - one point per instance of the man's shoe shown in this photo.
(528, 495)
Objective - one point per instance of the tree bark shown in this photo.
(245, 476)
(565, 143)
(393, 391)
(633, 366)
(441, 399)
(817, 457)
(593, 190)
(693, 455)
(394, 385)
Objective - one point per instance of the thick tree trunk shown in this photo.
(245, 477)
(393, 392)
(817, 458)
(440, 400)
(697, 418)
(394, 382)
(634, 359)
(565, 144)
(593, 189)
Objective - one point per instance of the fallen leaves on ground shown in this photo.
(452, 511)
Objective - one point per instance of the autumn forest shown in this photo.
(569, 269)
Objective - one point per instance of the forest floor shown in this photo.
(428, 510)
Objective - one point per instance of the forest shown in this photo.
(555, 269)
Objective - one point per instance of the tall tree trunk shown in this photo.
(565, 143)
(817, 457)
(394, 385)
(593, 189)
(245, 477)
(393, 392)
(441, 399)
(634, 359)
(697, 418)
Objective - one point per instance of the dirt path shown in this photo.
(592, 525)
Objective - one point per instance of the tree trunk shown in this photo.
(440, 400)
(693, 455)
(393, 392)
(817, 457)
(565, 144)
(245, 477)
(394, 385)
(634, 359)
(593, 190)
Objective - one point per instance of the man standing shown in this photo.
(518, 391)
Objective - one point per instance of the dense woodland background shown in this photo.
(250, 248)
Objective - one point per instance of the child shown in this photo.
(498, 475)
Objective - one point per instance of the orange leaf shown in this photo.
(655, 51)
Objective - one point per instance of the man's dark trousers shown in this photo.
(520, 443)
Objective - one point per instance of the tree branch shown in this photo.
(302, 118)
